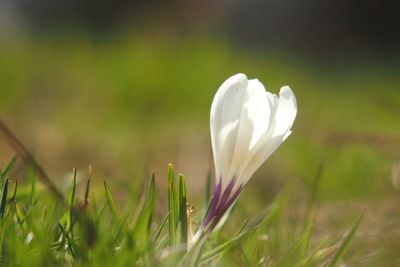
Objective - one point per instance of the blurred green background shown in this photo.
(127, 86)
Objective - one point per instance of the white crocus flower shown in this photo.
(247, 125)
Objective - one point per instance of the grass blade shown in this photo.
(30, 160)
(306, 234)
(144, 219)
(73, 189)
(182, 209)
(3, 199)
(248, 228)
(71, 204)
(87, 190)
(8, 168)
(345, 244)
(33, 190)
(14, 194)
(172, 206)
(160, 228)
(110, 202)
(223, 247)
(151, 201)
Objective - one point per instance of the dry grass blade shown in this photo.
(30, 160)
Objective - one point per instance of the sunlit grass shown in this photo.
(128, 91)
(131, 105)
(38, 228)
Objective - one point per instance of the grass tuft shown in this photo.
(39, 230)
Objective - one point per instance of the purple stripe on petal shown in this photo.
(233, 197)
(224, 206)
(214, 202)
(221, 203)
(225, 198)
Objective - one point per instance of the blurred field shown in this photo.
(129, 106)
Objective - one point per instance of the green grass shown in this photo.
(39, 229)
(129, 106)
(129, 90)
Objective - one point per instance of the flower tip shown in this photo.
(241, 75)
(237, 78)
(170, 166)
(285, 87)
(287, 93)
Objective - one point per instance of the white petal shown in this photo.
(279, 130)
(253, 124)
(286, 113)
(259, 156)
(227, 137)
(259, 109)
(224, 118)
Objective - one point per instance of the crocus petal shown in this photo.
(286, 113)
(224, 119)
(286, 110)
(259, 110)
(259, 156)
(254, 124)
